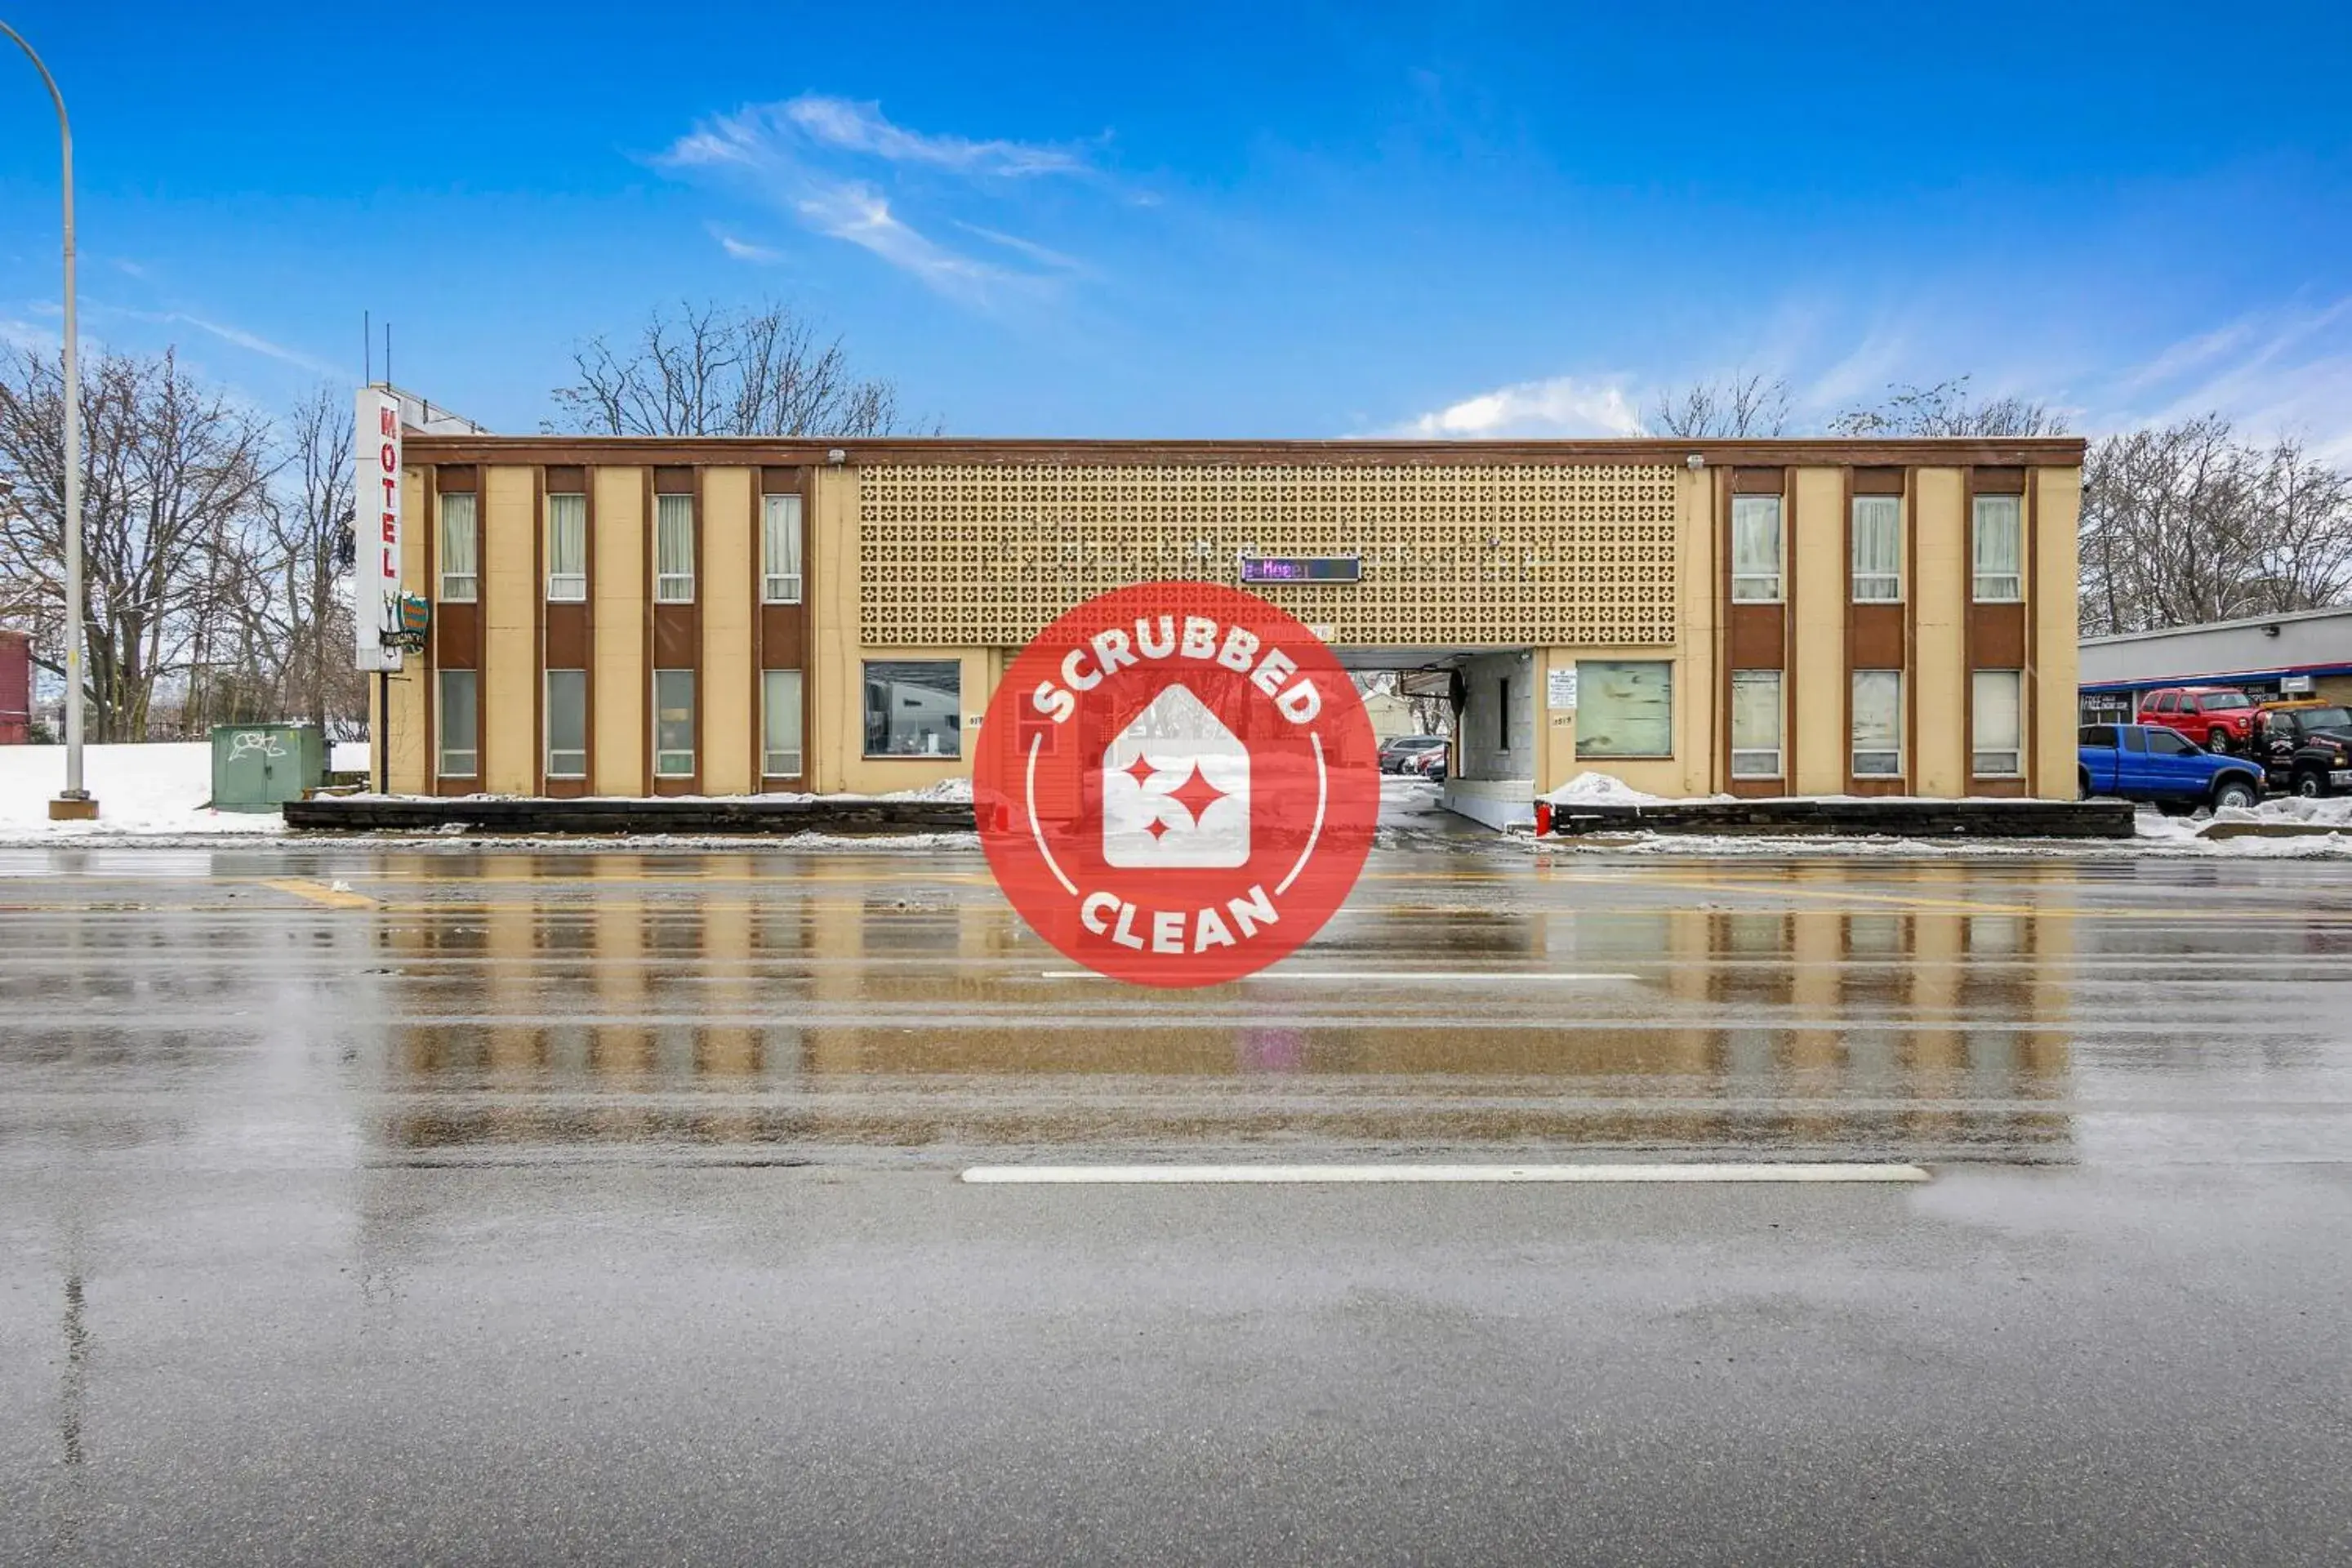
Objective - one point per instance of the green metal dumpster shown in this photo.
(260, 768)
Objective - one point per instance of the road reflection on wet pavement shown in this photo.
(387, 1206)
(733, 1006)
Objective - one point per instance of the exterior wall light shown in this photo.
(837, 456)
(1694, 462)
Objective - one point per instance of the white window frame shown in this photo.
(460, 587)
(1760, 587)
(777, 585)
(1755, 762)
(673, 587)
(1996, 587)
(667, 763)
(770, 756)
(1877, 587)
(1978, 751)
(444, 763)
(556, 770)
(1855, 750)
(567, 587)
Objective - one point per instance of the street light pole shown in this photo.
(75, 802)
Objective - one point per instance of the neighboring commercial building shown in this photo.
(2308, 654)
(15, 688)
(625, 616)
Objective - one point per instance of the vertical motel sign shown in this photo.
(376, 516)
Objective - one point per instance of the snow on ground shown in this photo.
(141, 790)
(1601, 789)
(952, 790)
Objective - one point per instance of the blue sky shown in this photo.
(1267, 220)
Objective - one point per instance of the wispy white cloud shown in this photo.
(743, 249)
(862, 128)
(818, 160)
(1562, 405)
(2286, 370)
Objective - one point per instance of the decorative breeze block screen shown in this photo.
(985, 555)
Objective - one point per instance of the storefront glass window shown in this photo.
(1626, 708)
(914, 707)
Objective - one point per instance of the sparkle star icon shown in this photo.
(1141, 771)
(1196, 794)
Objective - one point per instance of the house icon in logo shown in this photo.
(1176, 788)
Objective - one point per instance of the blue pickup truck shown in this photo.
(2140, 761)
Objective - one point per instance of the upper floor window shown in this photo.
(1877, 549)
(673, 550)
(460, 548)
(567, 548)
(1756, 548)
(780, 571)
(2000, 550)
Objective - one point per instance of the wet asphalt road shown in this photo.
(519, 1208)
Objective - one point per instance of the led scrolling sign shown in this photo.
(1302, 569)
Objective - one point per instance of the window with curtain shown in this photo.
(1998, 746)
(779, 723)
(914, 707)
(567, 723)
(2000, 550)
(1625, 708)
(1877, 549)
(780, 576)
(673, 550)
(673, 724)
(461, 549)
(459, 724)
(1756, 547)
(1756, 723)
(1877, 723)
(567, 548)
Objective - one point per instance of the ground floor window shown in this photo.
(1756, 723)
(460, 724)
(780, 698)
(914, 707)
(1996, 748)
(567, 723)
(1877, 723)
(1625, 708)
(673, 724)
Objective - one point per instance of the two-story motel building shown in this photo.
(659, 617)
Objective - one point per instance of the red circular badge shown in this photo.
(1176, 783)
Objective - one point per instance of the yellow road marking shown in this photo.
(320, 893)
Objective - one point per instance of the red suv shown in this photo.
(2218, 718)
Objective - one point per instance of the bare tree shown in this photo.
(1739, 405)
(307, 533)
(2187, 524)
(1946, 409)
(709, 370)
(173, 480)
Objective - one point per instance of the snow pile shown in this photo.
(141, 789)
(2333, 811)
(1599, 789)
(949, 791)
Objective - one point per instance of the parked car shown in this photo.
(2305, 747)
(1429, 764)
(2142, 761)
(1394, 753)
(2218, 718)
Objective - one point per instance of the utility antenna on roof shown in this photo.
(367, 351)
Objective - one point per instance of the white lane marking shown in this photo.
(1358, 975)
(1131, 1175)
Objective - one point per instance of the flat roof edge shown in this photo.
(787, 451)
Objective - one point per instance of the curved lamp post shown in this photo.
(75, 802)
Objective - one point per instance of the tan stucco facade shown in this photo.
(1559, 553)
